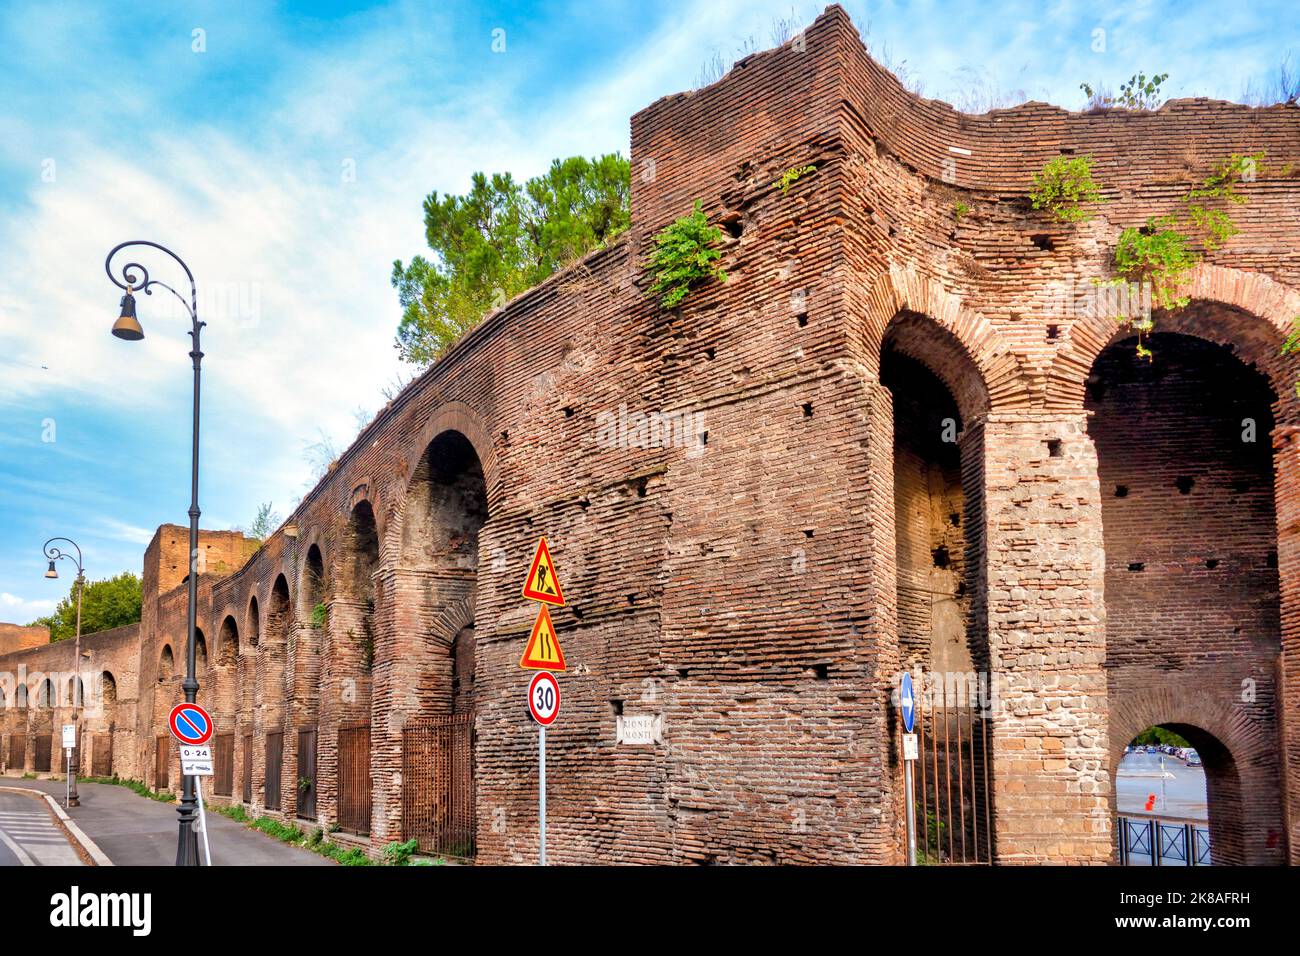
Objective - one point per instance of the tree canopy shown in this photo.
(501, 238)
(104, 604)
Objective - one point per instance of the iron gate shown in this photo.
(101, 756)
(307, 773)
(354, 778)
(954, 819)
(274, 764)
(44, 749)
(17, 751)
(223, 756)
(248, 767)
(161, 763)
(1163, 841)
(438, 785)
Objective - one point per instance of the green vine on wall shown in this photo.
(685, 256)
(1063, 186)
(792, 176)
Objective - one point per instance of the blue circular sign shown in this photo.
(907, 702)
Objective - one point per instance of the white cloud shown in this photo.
(22, 610)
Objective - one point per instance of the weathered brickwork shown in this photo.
(899, 445)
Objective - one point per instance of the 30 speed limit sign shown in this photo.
(544, 698)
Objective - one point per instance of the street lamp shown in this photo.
(54, 554)
(135, 278)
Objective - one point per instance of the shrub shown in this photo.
(684, 257)
(792, 176)
(1062, 187)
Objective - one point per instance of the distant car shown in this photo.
(1193, 759)
(1152, 750)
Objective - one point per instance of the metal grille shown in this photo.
(161, 762)
(248, 768)
(354, 779)
(41, 757)
(1175, 842)
(438, 778)
(953, 813)
(224, 765)
(101, 756)
(17, 751)
(307, 773)
(274, 764)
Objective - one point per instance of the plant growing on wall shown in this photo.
(959, 210)
(1138, 93)
(1292, 346)
(792, 176)
(320, 615)
(684, 256)
(1063, 186)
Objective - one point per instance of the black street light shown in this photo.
(52, 555)
(135, 277)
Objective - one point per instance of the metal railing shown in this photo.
(1162, 841)
(438, 791)
(954, 816)
(354, 779)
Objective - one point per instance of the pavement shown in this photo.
(1179, 789)
(29, 834)
(135, 831)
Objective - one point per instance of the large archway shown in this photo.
(939, 404)
(431, 573)
(270, 695)
(1185, 466)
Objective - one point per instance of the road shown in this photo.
(1179, 789)
(29, 835)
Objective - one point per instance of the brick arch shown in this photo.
(904, 291)
(453, 417)
(1245, 812)
(1259, 313)
(450, 621)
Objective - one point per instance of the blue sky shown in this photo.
(286, 161)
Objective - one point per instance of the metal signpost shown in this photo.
(543, 654)
(907, 708)
(192, 726)
(69, 744)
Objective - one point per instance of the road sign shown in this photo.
(543, 652)
(190, 724)
(69, 736)
(911, 749)
(196, 761)
(907, 702)
(544, 698)
(542, 583)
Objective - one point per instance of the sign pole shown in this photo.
(67, 799)
(907, 711)
(541, 787)
(203, 820)
(909, 785)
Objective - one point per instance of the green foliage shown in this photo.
(1292, 346)
(934, 837)
(320, 615)
(501, 238)
(265, 522)
(684, 256)
(1063, 185)
(104, 604)
(1138, 93)
(1157, 253)
(959, 210)
(792, 176)
(399, 854)
(138, 786)
(1158, 735)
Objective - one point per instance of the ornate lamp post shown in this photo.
(53, 554)
(135, 278)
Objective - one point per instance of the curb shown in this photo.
(87, 845)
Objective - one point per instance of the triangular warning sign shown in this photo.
(543, 651)
(542, 583)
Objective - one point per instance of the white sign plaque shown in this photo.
(910, 749)
(196, 761)
(69, 736)
(640, 730)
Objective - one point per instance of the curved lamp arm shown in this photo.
(53, 554)
(136, 277)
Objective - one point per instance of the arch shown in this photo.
(76, 691)
(108, 687)
(166, 664)
(200, 652)
(312, 580)
(254, 628)
(21, 697)
(45, 695)
(904, 291)
(1247, 311)
(227, 642)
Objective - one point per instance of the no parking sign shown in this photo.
(190, 724)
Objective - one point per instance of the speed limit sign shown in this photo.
(544, 698)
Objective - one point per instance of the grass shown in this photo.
(395, 854)
(136, 785)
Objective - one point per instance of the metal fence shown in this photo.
(248, 767)
(42, 753)
(438, 785)
(17, 751)
(1162, 841)
(953, 813)
(274, 764)
(223, 758)
(306, 802)
(354, 778)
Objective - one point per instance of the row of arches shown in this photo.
(1178, 452)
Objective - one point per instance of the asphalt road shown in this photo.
(1179, 789)
(29, 835)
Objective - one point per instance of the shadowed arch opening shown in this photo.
(939, 404)
(1186, 474)
(166, 664)
(227, 642)
(108, 687)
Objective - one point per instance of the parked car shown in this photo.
(1193, 759)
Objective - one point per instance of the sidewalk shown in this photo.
(136, 831)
